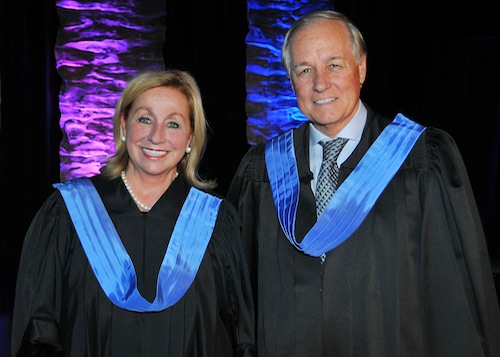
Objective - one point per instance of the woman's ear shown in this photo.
(123, 126)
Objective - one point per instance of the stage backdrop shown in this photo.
(435, 62)
(100, 45)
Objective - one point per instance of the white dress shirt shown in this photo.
(352, 131)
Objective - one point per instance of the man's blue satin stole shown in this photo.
(354, 197)
(110, 261)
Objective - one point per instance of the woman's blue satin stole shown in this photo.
(110, 261)
(354, 197)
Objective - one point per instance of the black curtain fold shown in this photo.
(29, 132)
(437, 63)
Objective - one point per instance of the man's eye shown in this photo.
(304, 72)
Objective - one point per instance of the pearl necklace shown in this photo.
(132, 194)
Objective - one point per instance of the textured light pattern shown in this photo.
(99, 46)
(271, 105)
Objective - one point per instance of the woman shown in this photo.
(140, 260)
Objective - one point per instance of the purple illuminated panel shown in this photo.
(99, 46)
(271, 105)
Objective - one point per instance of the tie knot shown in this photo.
(332, 148)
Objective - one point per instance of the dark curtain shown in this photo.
(29, 132)
(436, 62)
(207, 38)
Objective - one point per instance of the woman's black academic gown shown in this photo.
(60, 308)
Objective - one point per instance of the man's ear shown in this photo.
(292, 85)
(362, 70)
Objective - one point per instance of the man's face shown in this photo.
(325, 76)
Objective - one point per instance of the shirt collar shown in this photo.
(352, 130)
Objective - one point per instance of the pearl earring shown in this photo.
(188, 150)
(123, 138)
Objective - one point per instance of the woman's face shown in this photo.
(158, 131)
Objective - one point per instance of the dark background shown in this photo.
(437, 62)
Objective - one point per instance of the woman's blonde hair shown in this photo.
(186, 84)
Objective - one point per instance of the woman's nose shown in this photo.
(157, 134)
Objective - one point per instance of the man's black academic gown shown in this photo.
(413, 280)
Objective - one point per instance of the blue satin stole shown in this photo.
(110, 261)
(354, 197)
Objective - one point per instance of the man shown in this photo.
(396, 264)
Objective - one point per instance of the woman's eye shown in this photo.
(144, 120)
(173, 125)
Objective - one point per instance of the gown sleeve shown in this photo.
(458, 290)
(240, 309)
(245, 193)
(38, 289)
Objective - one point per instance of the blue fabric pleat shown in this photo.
(110, 261)
(354, 197)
